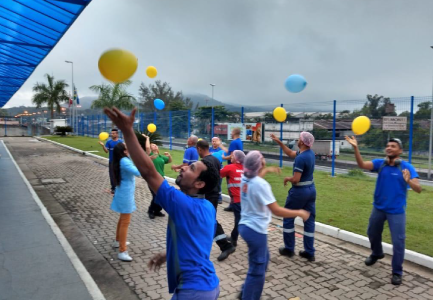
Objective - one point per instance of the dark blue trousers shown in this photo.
(258, 258)
(237, 212)
(397, 227)
(301, 198)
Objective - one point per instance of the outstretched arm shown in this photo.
(288, 213)
(267, 170)
(290, 153)
(141, 160)
(366, 165)
(103, 147)
(147, 144)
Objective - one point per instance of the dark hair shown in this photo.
(203, 144)
(118, 154)
(398, 141)
(115, 129)
(210, 176)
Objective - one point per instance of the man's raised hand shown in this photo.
(122, 121)
(352, 140)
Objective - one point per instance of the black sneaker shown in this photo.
(159, 214)
(229, 208)
(226, 253)
(396, 279)
(307, 256)
(151, 215)
(372, 259)
(286, 252)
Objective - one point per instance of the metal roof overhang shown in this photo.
(29, 30)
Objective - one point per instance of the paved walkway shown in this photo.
(338, 273)
(33, 263)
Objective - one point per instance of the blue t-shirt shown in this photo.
(219, 155)
(235, 145)
(190, 232)
(110, 144)
(304, 163)
(212, 149)
(391, 188)
(190, 156)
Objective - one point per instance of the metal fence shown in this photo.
(327, 120)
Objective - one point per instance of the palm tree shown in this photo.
(113, 95)
(51, 95)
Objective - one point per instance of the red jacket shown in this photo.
(234, 173)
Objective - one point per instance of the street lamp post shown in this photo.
(212, 85)
(431, 133)
(72, 95)
(213, 120)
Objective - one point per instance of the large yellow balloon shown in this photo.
(280, 114)
(151, 127)
(151, 72)
(103, 136)
(361, 125)
(117, 65)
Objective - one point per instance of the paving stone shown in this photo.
(338, 273)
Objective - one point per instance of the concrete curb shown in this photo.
(332, 231)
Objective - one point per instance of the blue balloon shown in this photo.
(295, 83)
(159, 104)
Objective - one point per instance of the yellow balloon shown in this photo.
(103, 136)
(151, 72)
(280, 114)
(199, 139)
(117, 65)
(151, 127)
(361, 125)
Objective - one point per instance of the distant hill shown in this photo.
(86, 102)
(204, 100)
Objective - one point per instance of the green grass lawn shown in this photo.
(342, 201)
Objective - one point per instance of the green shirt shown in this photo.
(159, 163)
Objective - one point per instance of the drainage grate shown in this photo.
(53, 181)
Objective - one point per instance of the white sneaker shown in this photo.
(116, 244)
(124, 256)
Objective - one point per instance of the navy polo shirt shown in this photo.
(304, 163)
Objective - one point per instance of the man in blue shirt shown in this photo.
(394, 175)
(190, 156)
(189, 240)
(218, 150)
(236, 144)
(108, 148)
(302, 195)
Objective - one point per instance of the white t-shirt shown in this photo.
(256, 194)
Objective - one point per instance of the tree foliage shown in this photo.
(424, 110)
(113, 95)
(52, 94)
(174, 101)
(378, 106)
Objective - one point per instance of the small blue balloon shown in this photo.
(159, 104)
(295, 83)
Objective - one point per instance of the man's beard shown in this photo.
(392, 157)
(177, 181)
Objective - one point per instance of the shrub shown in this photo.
(62, 130)
(356, 173)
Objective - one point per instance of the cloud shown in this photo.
(345, 49)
